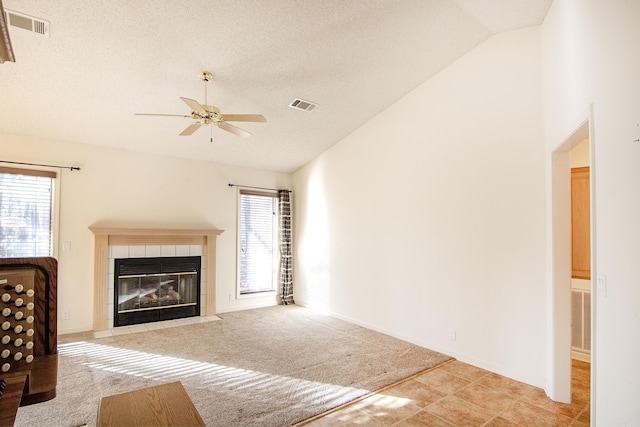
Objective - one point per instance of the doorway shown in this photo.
(561, 262)
(581, 291)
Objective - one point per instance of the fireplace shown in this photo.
(112, 243)
(154, 289)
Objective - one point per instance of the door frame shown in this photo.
(559, 275)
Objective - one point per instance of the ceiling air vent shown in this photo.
(300, 104)
(26, 22)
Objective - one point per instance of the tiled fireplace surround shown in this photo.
(112, 243)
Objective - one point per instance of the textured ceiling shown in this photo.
(106, 60)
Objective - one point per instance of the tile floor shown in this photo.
(457, 394)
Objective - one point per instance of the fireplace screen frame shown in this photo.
(152, 271)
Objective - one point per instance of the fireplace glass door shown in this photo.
(149, 290)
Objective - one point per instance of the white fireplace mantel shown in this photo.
(107, 236)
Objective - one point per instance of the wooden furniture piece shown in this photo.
(163, 405)
(10, 399)
(28, 332)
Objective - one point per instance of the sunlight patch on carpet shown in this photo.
(209, 375)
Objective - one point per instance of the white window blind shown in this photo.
(258, 242)
(26, 202)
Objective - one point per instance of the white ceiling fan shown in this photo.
(204, 114)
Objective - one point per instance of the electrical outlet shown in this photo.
(65, 315)
(452, 334)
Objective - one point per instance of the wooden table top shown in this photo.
(163, 405)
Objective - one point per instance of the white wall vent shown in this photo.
(26, 22)
(300, 104)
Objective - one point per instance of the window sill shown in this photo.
(257, 294)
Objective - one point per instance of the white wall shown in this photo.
(580, 156)
(590, 57)
(431, 216)
(116, 187)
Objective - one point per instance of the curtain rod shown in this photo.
(73, 168)
(257, 188)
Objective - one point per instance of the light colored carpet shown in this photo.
(272, 366)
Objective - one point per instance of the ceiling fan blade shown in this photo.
(190, 129)
(234, 130)
(244, 118)
(165, 115)
(195, 106)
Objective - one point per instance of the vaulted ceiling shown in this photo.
(106, 60)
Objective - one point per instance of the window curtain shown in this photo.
(286, 260)
(6, 51)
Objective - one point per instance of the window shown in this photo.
(26, 202)
(258, 242)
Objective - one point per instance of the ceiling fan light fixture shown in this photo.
(205, 114)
